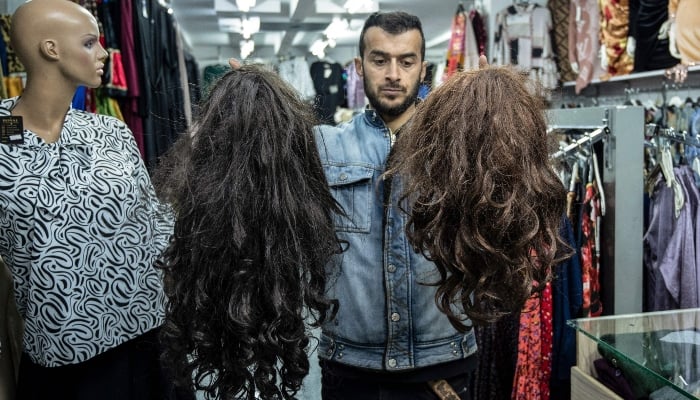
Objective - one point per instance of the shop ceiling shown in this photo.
(214, 30)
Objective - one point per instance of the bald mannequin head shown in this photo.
(58, 37)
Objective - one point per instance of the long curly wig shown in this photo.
(482, 199)
(245, 267)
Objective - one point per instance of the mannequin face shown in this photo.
(81, 55)
(58, 38)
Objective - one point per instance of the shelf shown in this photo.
(633, 76)
(655, 351)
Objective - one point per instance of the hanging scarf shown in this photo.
(455, 50)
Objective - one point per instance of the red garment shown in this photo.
(534, 366)
(455, 50)
(590, 265)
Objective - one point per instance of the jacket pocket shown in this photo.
(351, 186)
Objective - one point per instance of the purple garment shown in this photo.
(355, 88)
(669, 250)
(689, 277)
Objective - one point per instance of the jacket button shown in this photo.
(392, 363)
(343, 176)
(395, 317)
(391, 268)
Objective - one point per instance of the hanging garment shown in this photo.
(296, 73)
(355, 88)
(669, 248)
(455, 48)
(497, 357)
(560, 21)
(14, 65)
(646, 18)
(584, 31)
(589, 253)
(330, 89)
(567, 299)
(130, 102)
(614, 24)
(479, 31)
(533, 368)
(523, 38)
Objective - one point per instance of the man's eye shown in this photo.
(379, 61)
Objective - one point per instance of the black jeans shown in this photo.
(336, 387)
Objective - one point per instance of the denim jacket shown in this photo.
(387, 317)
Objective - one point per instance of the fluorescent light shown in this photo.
(337, 28)
(247, 47)
(318, 48)
(361, 6)
(245, 5)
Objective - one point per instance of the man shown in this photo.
(388, 339)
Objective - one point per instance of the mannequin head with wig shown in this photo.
(482, 199)
(245, 268)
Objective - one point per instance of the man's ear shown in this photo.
(358, 66)
(49, 49)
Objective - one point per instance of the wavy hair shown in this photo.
(485, 204)
(245, 266)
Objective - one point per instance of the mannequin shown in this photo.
(486, 205)
(684, 36)
(253, 234)
(80, 225)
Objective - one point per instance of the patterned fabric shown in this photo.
(584, 31)
(560, 20)
(533, 368)
(523, 38)
(479, 31)
(455, 49)
(590, 253)
(13, 63)
(80, 228)
(614, 28)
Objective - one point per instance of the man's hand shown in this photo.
(235, 64)
(483, 62)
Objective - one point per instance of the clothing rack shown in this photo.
(622, 234)
(672, 134)
(588, 139)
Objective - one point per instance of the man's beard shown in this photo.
(395, 110)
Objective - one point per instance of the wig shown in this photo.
(482, 199)
(245, 267)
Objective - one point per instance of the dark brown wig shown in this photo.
(245, 267)
(485, 204)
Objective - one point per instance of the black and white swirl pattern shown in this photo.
(80, 229)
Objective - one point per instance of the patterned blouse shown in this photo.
(80, 228)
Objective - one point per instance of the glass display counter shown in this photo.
(658, 352)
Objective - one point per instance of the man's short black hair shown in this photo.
(394, 22)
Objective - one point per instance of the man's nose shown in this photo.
(393, 72)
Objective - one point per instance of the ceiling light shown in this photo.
(245, 5)
(337, 28)
(250, 26)
(318, 48)
(247, 47)
(361, 6)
